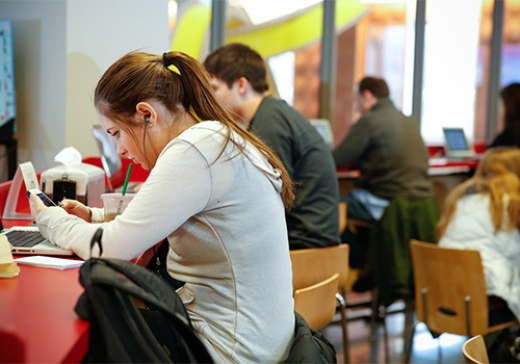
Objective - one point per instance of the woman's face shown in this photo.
(129, 143)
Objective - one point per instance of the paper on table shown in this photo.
(49, 262)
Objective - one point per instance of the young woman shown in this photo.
(483, 214)
(215, 191)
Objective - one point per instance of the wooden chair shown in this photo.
(474, 351)
(314, 265)
(317, 303)
(450, 292)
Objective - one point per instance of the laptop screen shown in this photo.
(456, 140)
(323, 128)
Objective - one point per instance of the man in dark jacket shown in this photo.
(387, 148)
(239, 81)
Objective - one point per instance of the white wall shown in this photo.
(62, 47)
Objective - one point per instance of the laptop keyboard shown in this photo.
(24, 239)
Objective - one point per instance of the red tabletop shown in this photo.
(438, 166)
(38, 308)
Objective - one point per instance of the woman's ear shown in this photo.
(145, 111)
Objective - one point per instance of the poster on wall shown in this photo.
(7, 88)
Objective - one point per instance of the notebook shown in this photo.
(456, 144)
(27, 240)
(111, 161)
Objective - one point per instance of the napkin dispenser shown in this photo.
(82, 182)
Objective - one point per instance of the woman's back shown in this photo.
(234, 251)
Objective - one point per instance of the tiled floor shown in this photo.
(362, 350)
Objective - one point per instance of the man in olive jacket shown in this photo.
(387, 148)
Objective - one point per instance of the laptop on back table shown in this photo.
(456, 144)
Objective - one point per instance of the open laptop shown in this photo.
(456, 144)
(323, 128)
(111, 161)
(27, 240)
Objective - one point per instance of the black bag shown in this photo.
(309, 346)
(135, 316)
(504, 346)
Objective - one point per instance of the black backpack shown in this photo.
(135, 315)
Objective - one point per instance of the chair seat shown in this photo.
(474, 351)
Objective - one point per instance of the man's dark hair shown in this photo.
(510, 95)
(232, 61)
(377, 86)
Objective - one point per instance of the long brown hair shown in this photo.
(181, 84)
(498, 175)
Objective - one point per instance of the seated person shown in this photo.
(215, 191)
(483, 214)
(239, 80)
(510, 136)
(387, 148)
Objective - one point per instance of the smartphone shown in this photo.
(46, 200)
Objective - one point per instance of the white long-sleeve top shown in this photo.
(471, 228)
(224, 219)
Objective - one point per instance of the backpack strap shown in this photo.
(96, 239)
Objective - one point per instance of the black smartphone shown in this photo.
(46, 199)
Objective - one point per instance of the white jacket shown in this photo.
(471, 228)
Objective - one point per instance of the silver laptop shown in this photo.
(27, 240)
(456, 144)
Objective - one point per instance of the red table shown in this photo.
(38, 308)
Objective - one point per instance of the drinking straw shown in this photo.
(125, 185)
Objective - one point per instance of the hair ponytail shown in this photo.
(174, 79)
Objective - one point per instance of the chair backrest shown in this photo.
(450, 289)
(4, 192)
(313, 265)
(317, 303)
(474, 351)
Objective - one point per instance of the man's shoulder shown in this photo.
(386, 115)
(273, 105)
(273, 110)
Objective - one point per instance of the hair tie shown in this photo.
(168, 64)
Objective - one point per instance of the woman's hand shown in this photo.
(74, 207)
(38, 203)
